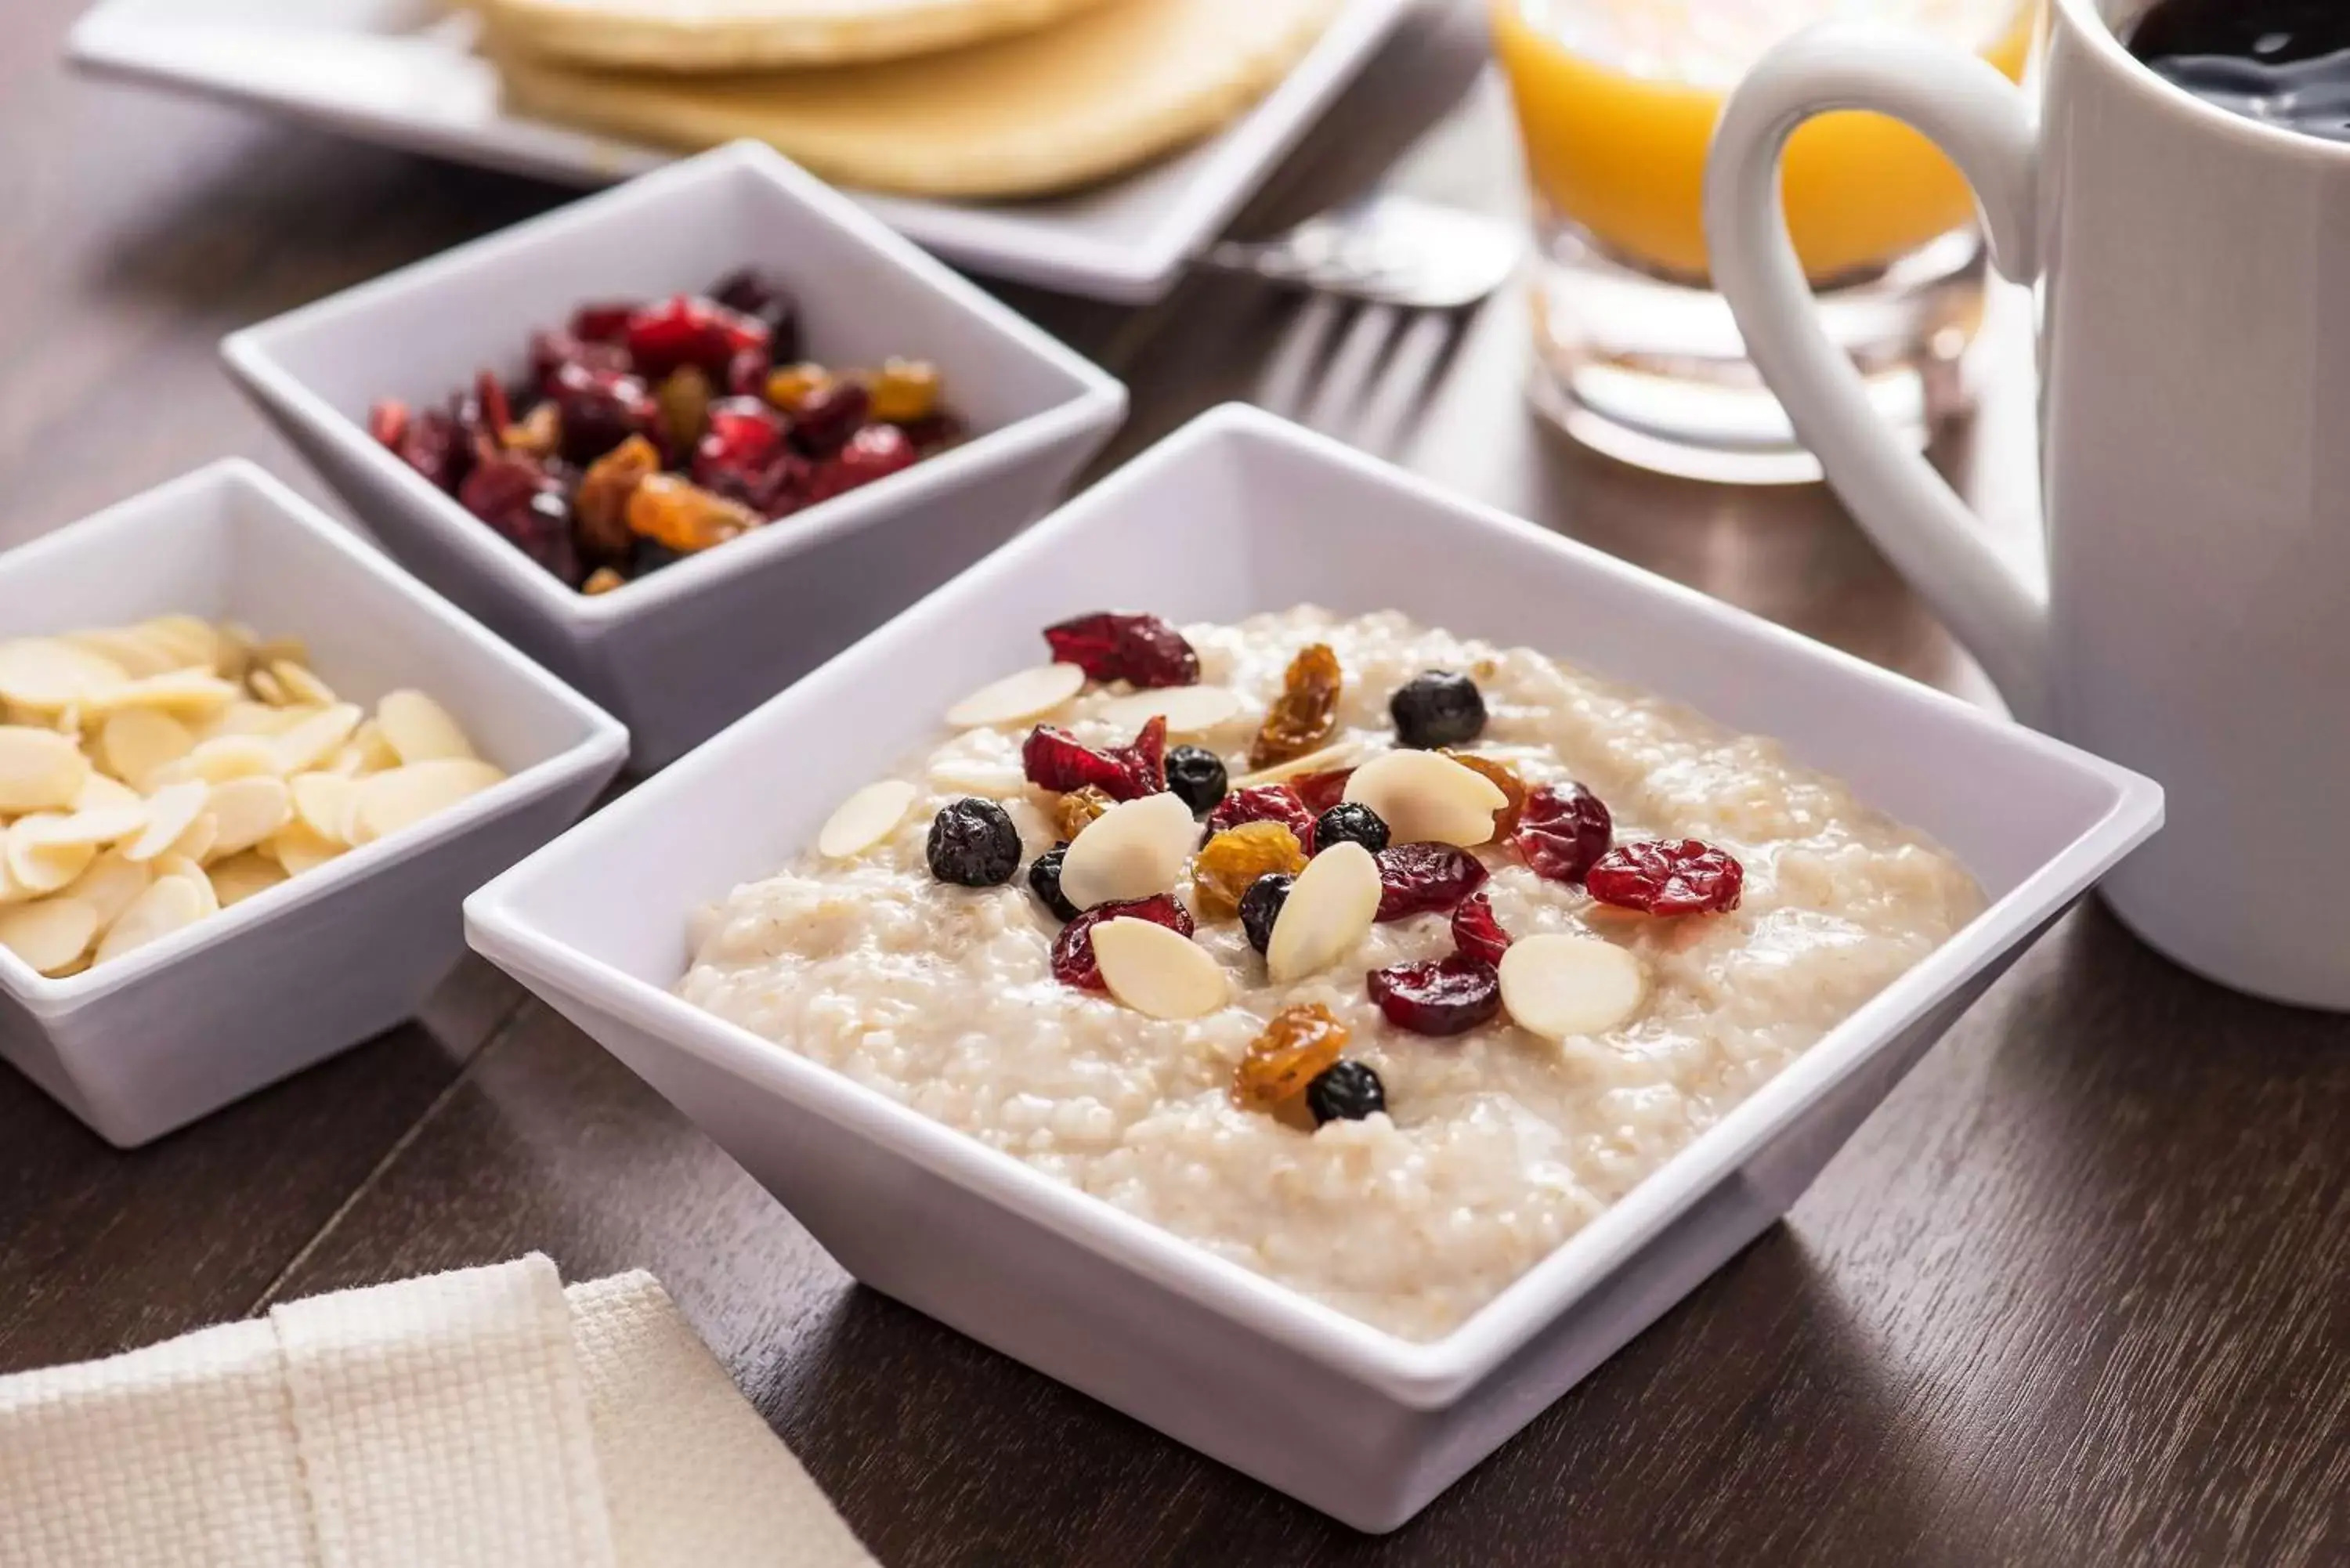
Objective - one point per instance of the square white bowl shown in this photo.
(152, 1040)
(1240, 513)
(681, 653)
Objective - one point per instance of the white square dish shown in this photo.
(681, 652)
(1236, 513)
(401, 73)
(152, 1040)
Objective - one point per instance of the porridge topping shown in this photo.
(1415, 955)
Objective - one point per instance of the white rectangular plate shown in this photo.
(401, 73)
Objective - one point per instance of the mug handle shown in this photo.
(1979, 118)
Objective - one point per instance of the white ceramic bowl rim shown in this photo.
(248, 352)
(1423, 1373)
(133, 516)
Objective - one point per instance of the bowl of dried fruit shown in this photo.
(249, 769)
(682, 440)
(1317, 964)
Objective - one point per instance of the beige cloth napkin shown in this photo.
(486, 1418)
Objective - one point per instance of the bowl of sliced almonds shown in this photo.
(249, 770)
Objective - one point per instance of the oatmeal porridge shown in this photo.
(1475, 942)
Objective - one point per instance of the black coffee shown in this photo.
(2286, 62)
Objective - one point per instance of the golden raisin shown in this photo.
(599, 510)
(602, 581)
(684, 516)
(536, 433)
(1297, 1044)
(792, 385)
(1505, 821)
(1305, 712)
(1079, 806)
(1236, 858)
(683, 398)
(905, 390)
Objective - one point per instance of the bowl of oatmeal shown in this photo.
(1327, 1014)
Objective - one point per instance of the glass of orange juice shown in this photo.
(1636, 355)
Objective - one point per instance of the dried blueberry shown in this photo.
(1260, 906)
(1345, 1091)
(974, 844)
(1438, 708)
(1197, 775)
(1044, 881)
(1350, 822)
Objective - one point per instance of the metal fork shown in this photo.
(1393, 250)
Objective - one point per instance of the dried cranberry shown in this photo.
(527, 508)
(1476, 931)
(1073, 950)
(932, 433)
(687, 330)
(490, 396)
(1438, 996)
(551, 350)
(1669, 876)
(1264, 803)
(1415, 878)
(742, 437)
(1056, 761)
(603, 321)
(1320, 792)
(1561, 829)
(746, 373)
(829, 415)
(435, 446)
(877, 452)
(600, 409)
(1140, 648)
(388, 421)
(768, 301)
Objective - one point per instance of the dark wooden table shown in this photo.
(2079, 1292)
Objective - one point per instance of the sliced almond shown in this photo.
(317, 737)
(388, 802)
(1187, 709)
(301, 685)
(109, 884)
(49, 935)
(864, 819)
(169, 810)
(10, 893)
(168, 905)
(1133, 851)
(195, 842)
(1329, 758)
(135, 743)
(98, 827)
(49, 673)
(1557, 985)
(419, 728)
(1330, 908)
(299, 848)
(246, 811)
(186, 867)
(240, 876)
(184, 693)
(323, 802)
(124, 646)
(40, 769)
(1425, 798)
(99, 793)
(1158, 971)
(264, 685)
(374, 752)
(247, 717)
(1027, 694)
(193, 640)
(227, 757)
(39, 864)
(969, 775)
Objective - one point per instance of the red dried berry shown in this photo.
(877, 452)
(1140, 648)
(552, 349)
(767, 299)
(388, 421)
(1438, 996)
(436, 446)
(1669, 876)
(743, 436)
(601, 409)
(687, 330)
(524, 504)
(1415, 878)
(823, 421)
(490, 397)
(604, 321)
(1561, 829)
(746, 373)
(1055, 760)
(1320, 792)
(1475, 930)
(1264, 803)
(1073, 950)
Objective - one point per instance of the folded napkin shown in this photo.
(486, 1418)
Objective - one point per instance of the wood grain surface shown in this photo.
(2079, 1294)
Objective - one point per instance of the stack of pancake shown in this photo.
(970, 99)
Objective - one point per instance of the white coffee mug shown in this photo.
(2193, 622)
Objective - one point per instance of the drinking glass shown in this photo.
(1635, 354)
